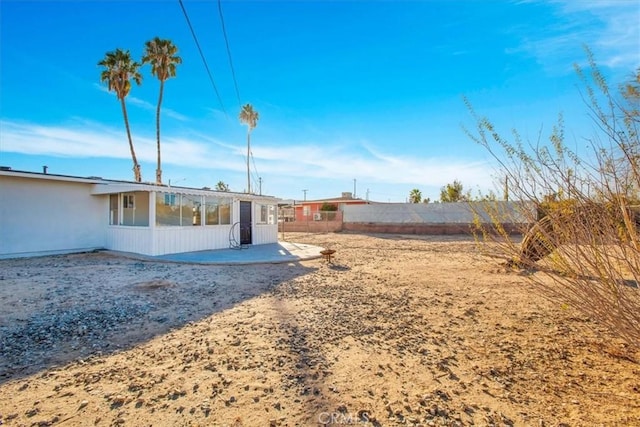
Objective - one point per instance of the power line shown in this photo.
(255, 169)
(255, 177)
(206, 66)
(253, 160)
(226, 41)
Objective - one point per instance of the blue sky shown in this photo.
(369, 91)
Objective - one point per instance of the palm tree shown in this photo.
(415, 196)
(119, 70)
(161, 54)
(249, 117)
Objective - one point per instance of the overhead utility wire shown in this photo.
(235, 81)
(254, 173)
(224, 32)
(254, 177)
(255, 169)
(202, 56)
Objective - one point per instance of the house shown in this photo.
(43, 213)
(311, 210)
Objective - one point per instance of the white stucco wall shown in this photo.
(45, 216)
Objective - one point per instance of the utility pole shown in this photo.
(354, 188)
(260, 185)
(248, 157)
(305, 194)
(367, 195)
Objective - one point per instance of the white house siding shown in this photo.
(47, 216)
(265, 233)
(129, 239)
(162, 240)
(170, 240)
(167, 240)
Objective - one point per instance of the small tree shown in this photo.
(584, 245)
(328, 207)
(222, 186)
(415, 196)
(454, 193)
(489, 197)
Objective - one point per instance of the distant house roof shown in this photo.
(346, 197)
(334, 200)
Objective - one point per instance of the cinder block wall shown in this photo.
(311, 226)
(422, 229)
(420, 218)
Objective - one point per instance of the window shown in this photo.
(191, 212)
(114, 215)
(217, 211)
(266, 214)
(128, 201)
(306, 210)
(167, 211)
(178, 209)
(211, 211)
(225, 211)
(271, 214)
(262, 214)
(169, 199)
(130, 209)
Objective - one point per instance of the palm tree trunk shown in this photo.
(248, 154)
(136, 167)
(159, 167)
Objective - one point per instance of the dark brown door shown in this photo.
(245, 223)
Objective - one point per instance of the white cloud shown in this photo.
(28, 138)
(609, 28)
(329, 161)
(333, 161)
(89, 139)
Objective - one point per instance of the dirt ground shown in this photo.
(399, 330)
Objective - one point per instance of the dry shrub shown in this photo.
(582, 209)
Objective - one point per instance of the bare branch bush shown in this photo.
(582, 209)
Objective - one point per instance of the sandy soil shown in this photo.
(398, 330)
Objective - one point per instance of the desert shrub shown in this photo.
(328, 207)
(582, 209)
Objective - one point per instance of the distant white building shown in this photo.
(43, 214)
